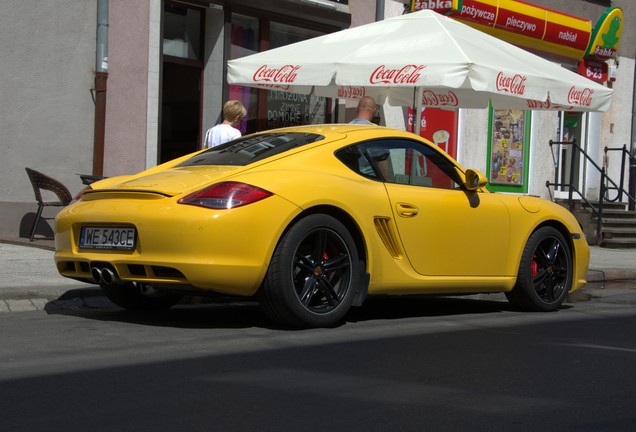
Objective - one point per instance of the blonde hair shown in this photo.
(233, 109)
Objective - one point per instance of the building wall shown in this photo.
(46, 110)
(213, 71)
(127, 95)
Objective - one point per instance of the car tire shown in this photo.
(129, 295)
(545, 272)
(313, 274)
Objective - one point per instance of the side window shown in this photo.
(403, 162)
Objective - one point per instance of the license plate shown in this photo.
(107, 238)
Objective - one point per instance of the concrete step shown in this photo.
(619, 232)
(618, 214)
(618, 243)
(618, 222)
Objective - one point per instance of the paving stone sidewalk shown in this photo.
(29, 279)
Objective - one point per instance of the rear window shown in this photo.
(243, 151)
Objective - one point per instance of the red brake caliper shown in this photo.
(535, 266)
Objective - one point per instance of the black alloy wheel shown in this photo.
(545, 272)
(313, 274)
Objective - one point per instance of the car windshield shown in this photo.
(243, 151)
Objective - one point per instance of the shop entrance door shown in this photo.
(180, 110)
(572, 126)
(181, 74)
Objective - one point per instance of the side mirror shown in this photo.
(475, 180)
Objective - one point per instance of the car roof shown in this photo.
(328, 130)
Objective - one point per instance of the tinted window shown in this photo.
(401, 161)
(243, 151)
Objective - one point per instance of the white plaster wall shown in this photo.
(47, 57)
(616, 124)
(154, 82)
(127, 95)
(543, 128)
(46, 112)
(472, 143)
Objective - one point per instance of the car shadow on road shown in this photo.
(392, 307)
(233, 314)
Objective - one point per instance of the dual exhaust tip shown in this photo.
(104, 275)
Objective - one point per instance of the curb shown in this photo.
(47, 244)
(617, 278)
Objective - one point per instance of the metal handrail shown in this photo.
(625, 157)
(605, 181)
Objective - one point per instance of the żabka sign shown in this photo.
(285, 74)
(407, 74)
(515, 85)
(528, 26)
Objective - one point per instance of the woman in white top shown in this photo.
(233, 113)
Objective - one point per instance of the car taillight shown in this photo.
(225, 195)
(79, 194)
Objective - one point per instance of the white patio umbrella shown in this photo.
(449, 64)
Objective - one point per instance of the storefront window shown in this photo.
(508, 149)
(245, 41)
(290, 109)
(182, 32)
(284, 34)
(280, 108)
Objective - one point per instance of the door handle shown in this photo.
(407, 210)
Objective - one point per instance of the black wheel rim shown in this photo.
(321, 271)
(550, 269)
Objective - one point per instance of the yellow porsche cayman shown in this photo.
(310, 221)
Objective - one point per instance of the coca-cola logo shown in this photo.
(580, 97)
(285, 74)
(511, 84)
(408, 74)
(547, 105)
(274, 87)
(432, 98)
(350, 92)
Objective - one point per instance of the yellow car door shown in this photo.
(445, 229)
(450, 232)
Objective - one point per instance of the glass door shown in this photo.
(569, 169)
(182, 68)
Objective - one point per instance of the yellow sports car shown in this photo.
(310, 221)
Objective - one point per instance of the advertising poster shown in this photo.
(508, 149)
(438, 126)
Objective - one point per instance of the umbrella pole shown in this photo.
(417, 104)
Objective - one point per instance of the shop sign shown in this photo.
(607, 35)
(439, 6)
(594, 70)
(528, 26)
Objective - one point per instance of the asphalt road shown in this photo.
(420, 364)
